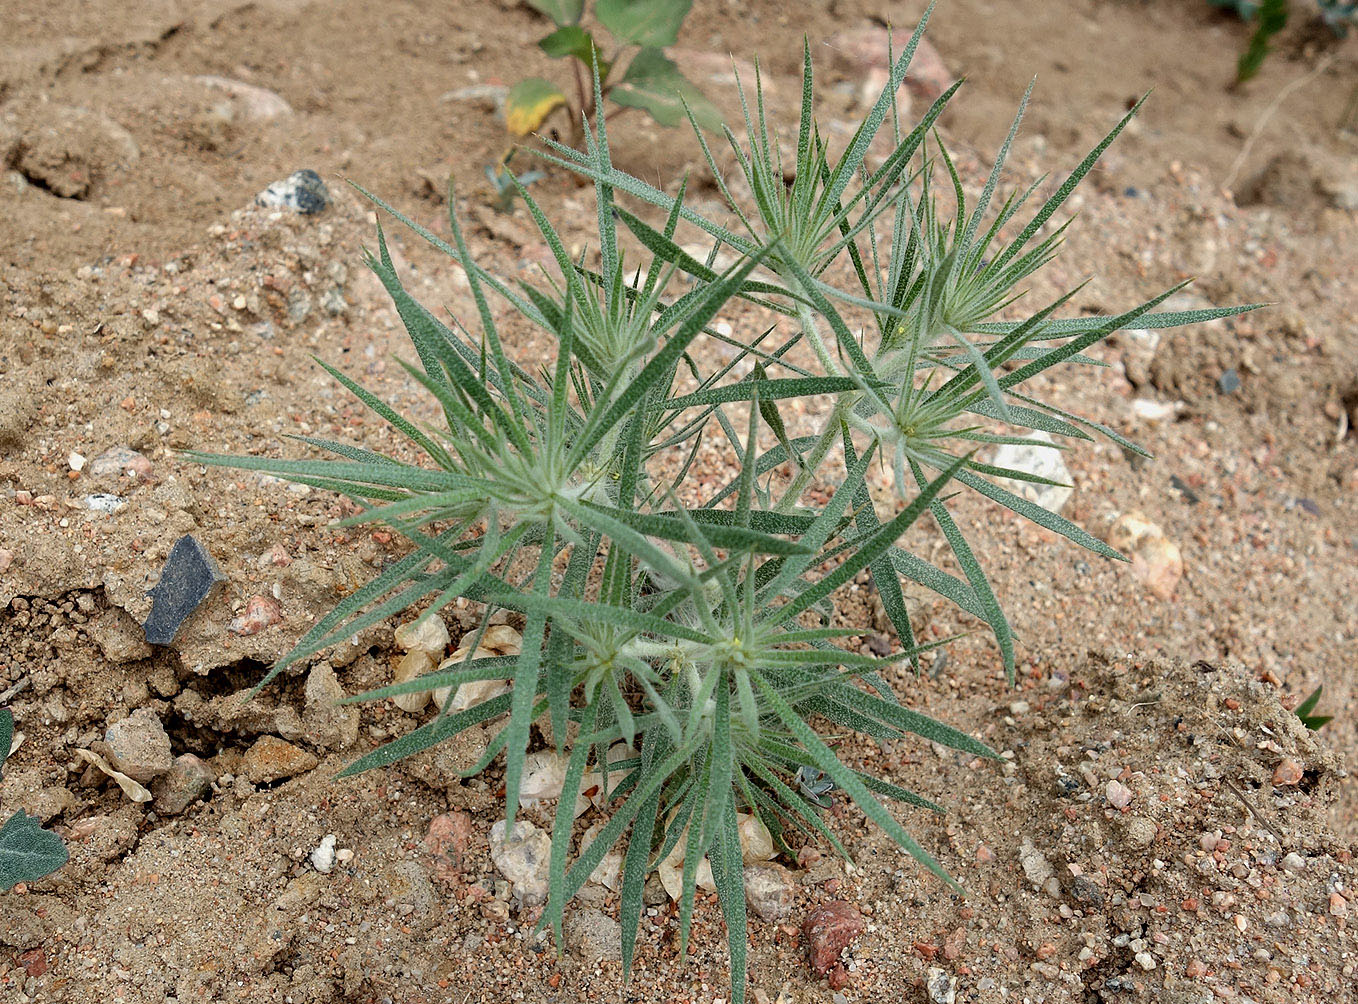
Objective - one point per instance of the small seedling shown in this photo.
(641, 30)
(505, 186)
(1272, 15)
(27, 851)
(1306, 708)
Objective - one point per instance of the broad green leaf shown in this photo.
(27, 851)
(563, 12)
(529, 103)
(654, 84)
(648, 23)
(573, 40)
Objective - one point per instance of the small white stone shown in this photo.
(76, 461)
(543, 776)
(1294, 862)
(1036, 868)
(524, 858)
(756, 843)
(430, 636)
(323, 857)
(1041, 459)
(942, 986)
(1119, 795)
(1155, 412)
(1145, 960)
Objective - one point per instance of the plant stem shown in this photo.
(811, 330)
(812, 461)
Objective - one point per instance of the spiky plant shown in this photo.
(701, 634)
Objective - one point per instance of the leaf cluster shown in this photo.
(681, 638)
(651, 81)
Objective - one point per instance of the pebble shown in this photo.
(187, 578)
(1228, 382)
(523, 857)
(183, 784)
(256, 103)
(1140, 832)
(941, 985)
(756, 845)
(1156, 412)
(1287, 773)
(139, 746)
(34, 962)
(323, 857)
(76, 461)
(327, 723)
(1042, 460)
(104, 503)
(302, 191)
(1294, 862)
(272, 759)
(412, 666)
(119, 461)
(446, 843)
(1156, 560)
(1036, 868)
(756, 842)
(1118, 794)
(544, 775)
(260, 614)
(429, 636)
(863, 52)
(499, 640)
(1138, 352)
(828, 931)
(6, 559)
(593, 935)
(769, 890)
(1145, 960)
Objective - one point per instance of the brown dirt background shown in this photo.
(119, 326)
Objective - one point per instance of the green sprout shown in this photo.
(1306, 708)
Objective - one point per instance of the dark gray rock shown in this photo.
(187, 579)
(302, 191)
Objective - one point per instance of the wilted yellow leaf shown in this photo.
(529, 103)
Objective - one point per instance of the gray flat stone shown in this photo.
(189, 576)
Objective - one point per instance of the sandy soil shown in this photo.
(1162, 825)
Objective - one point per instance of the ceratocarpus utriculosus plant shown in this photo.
(700, 634)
